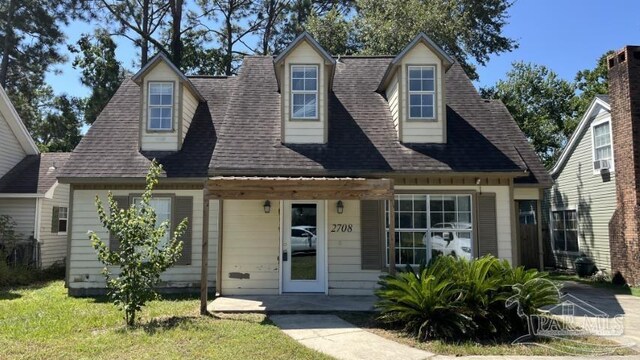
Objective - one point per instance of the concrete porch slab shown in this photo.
(291, 304)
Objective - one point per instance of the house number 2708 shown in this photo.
(341, 227)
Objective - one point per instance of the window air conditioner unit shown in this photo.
(602, 165)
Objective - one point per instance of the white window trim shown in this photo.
(415, 92)
(553, 248)
(429, 229)
(149, 106)
(66, 218)
(593, 144)
(316, 92)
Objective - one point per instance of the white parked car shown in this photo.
(454, 239)
(303, 239)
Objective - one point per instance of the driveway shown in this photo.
(611, 304)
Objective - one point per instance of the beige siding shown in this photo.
(503, 211)
(23, 212)
(85, 268)
(526, 193)
(251, 246)
(189, 106)
(421, 131)
(164, 140)
(11, 151)
(305, 131)
(592, 195)
(346, 276)
(53, 245)
(392, 97)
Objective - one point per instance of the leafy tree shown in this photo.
(101, 71)
(470, 30)
(30, 39)
(592, 82)
(237, 19)
(273, 16)
(541, 103)
(59, 130)
(141, 257)
(140, 21)
(333, 32)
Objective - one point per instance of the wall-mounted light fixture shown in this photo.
(267, 206)
(340, 207)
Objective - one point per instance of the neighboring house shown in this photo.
(286, 171)
(581, 202)
(29, 191)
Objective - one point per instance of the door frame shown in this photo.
(283, 207)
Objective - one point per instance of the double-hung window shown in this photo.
(422, 92)
(63, 216)
(602, 145)
(431, 225)
(304, 92)
(162, 207)
(160, 110)
(564, 228)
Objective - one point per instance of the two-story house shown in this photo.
(29, 192)
(308, 172)
(581, 202)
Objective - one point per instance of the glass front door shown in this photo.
(303, 247)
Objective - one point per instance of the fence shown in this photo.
(22, 253)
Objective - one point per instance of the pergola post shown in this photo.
(392, 236)
(205, 254)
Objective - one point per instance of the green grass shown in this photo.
(41, 321)
(550, 347)
(618, 289)
(303, 267)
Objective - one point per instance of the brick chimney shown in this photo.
(624, 227)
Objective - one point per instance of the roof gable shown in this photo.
(421, 38)
(599, 102)
(161, 57)
(16, 125)
(305, 36)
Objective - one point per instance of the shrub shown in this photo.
(464, 299)
(140, 257)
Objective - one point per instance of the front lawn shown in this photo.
(43, 322)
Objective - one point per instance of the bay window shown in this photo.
(431, 225)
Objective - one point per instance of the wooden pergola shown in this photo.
(287, 188)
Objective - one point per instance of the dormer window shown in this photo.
(304, 92)
(422, 92)
(160, 106)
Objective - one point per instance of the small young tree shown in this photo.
(141, 257)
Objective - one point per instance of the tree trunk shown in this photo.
(144, 43)
(176, 41)
(7, 47)
(229, 36)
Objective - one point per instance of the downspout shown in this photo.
(36, 233)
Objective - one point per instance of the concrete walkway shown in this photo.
(333, 336)
(291, 304)
(611, 304)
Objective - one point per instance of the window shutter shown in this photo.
(55, 220)
(123, 203)
(487, 225)
(183, 209)
(372, 232)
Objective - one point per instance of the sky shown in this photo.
(564, 35)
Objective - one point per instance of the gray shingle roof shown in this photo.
(35, 174)
(237, 132)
